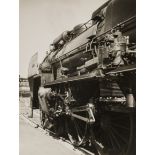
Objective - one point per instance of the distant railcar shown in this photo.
(24, 90)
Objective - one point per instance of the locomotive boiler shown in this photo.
(86, 86)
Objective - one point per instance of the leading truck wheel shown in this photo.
(115, 134)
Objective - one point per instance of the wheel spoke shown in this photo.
(77, 130)
(111, 141)
(115, 139)
(122, 138)
(120, 126)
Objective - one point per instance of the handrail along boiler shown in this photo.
(87, 89)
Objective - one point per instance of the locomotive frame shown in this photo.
(87, 94)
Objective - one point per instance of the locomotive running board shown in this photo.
(89, 108)
(71, 79)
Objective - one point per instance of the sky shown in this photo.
(41, 21)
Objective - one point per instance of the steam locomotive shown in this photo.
(85, 87)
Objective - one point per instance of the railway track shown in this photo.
(65, 142)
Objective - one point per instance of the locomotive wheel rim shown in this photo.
(76, 130)
(116, 138)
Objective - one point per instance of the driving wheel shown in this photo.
(115, 134)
